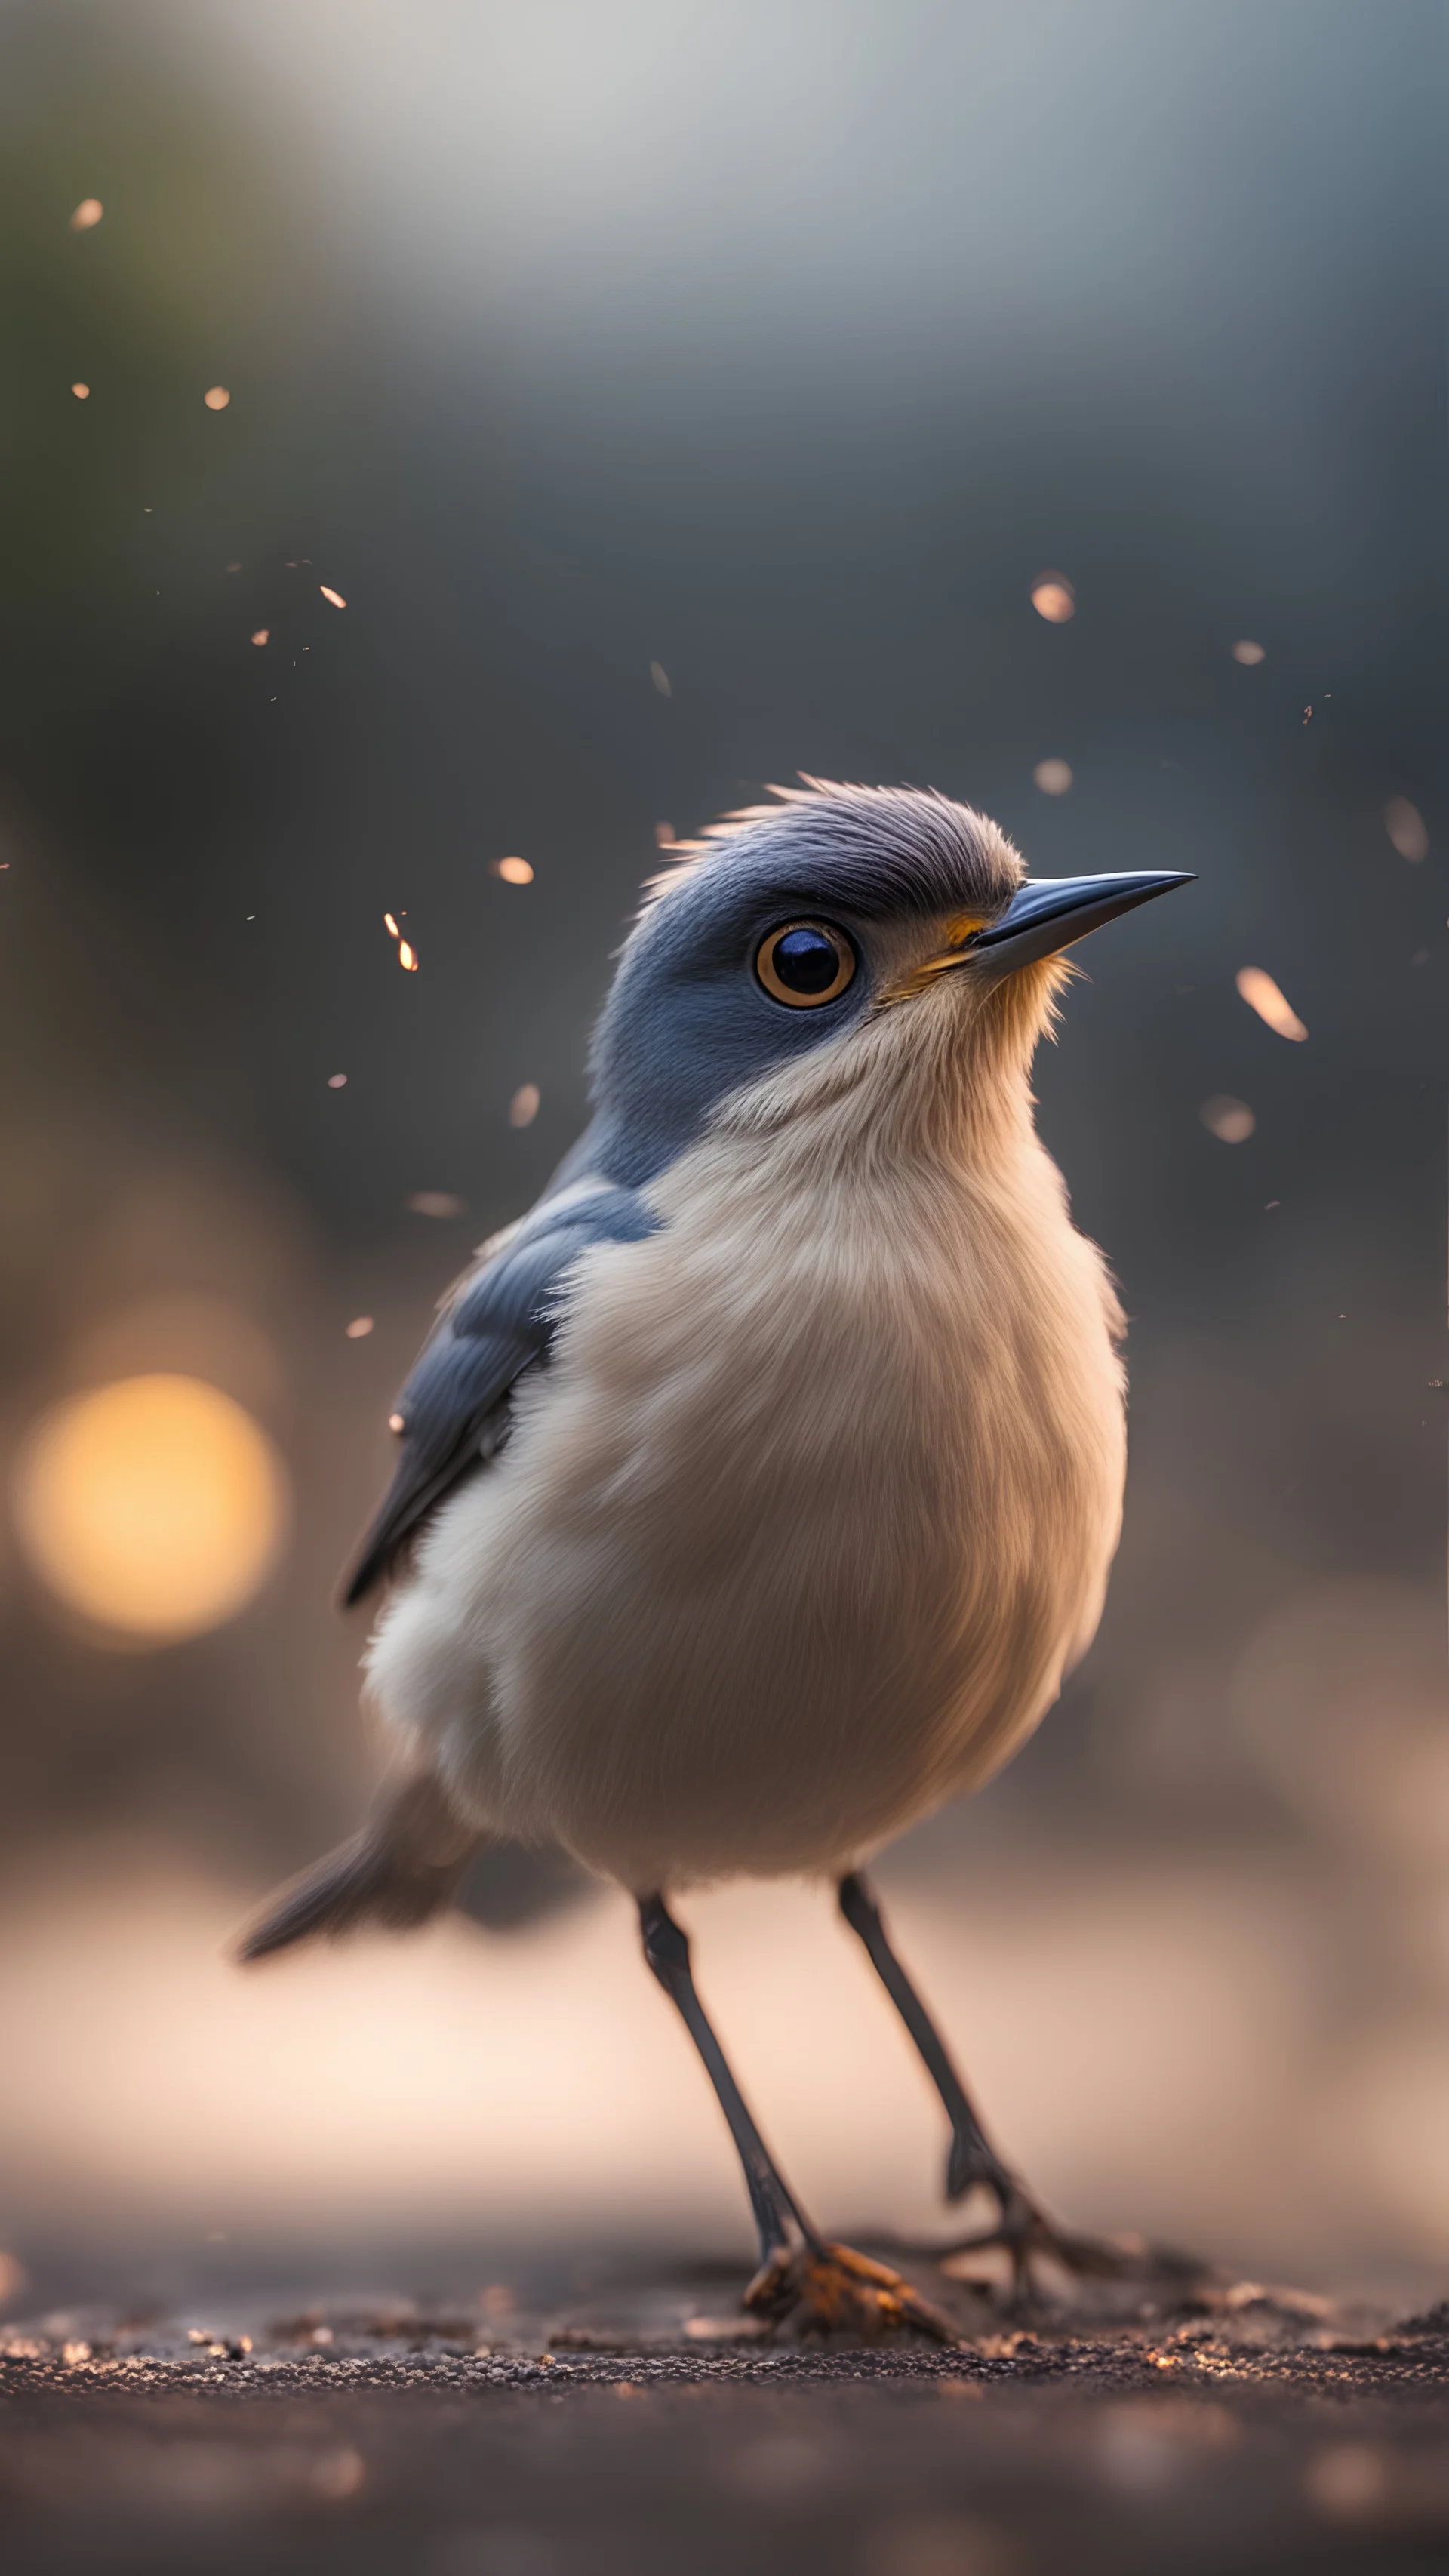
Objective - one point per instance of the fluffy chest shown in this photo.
(796, 1538)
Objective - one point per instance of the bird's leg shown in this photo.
(825, 2288)
(1022, 2229)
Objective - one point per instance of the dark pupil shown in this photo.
(806, 961)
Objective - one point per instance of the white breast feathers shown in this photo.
(815, 1505)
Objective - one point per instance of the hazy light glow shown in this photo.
(440, 1203)
(1230, 1120)
(154, 1507)
(262, 635)
(523, 1107)
(1053, 777)
(1271, 1004)
(87, 215)
(1053, 597)
(661, 679)
(82, 393)
(359, 1328)
(216, 398)
(1249, 653)
(1407, 829)
(513, 871)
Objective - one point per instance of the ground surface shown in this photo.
(539, 2431)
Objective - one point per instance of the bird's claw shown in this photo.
(1026, 2236)
(822, 2289)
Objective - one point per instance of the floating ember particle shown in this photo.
(359, 1328)
(1263, 996)
(523, 1107)
(664, 836)
(660, 678)
(1053, 777)
(513, 871)
(407, 958)
(262, 635)
(82, 393)
(12, 2277)
(1407, 829)
(87, 215)
(336, 1081)
(395, 1422)
(1249, 653)
(434, 1203)
(391, 926)
(216, 397)
(334, 595)
(1308, 715)
(1053, 598)
(1231, 1121)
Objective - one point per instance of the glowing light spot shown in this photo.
(1249, 653)
(216, 397)
(87, 215)
(1263, 996)
(1348, 2481)
(523, 1107)
(334, 595)
(336, 1081)
(262, 635)
(359, 1328)
(1053, 777)
(513, 871)
(82, 393)
(407, 958)
(1407, 829)
(154, 1507)
(1053, 598)
(335, 2475)
(1232, 1121)
(661, 679)
(435, 1203)
(664, 836)
(395, 1422)
(391, 926)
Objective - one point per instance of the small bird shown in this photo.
(757, 1489)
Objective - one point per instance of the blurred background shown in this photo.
(445, 452)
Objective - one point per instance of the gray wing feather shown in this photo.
(500, 1322)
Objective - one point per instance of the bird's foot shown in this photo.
(1028, 2237)
(821, 2289)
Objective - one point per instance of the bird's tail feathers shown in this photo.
(400, 1870)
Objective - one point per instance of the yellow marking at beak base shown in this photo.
(960, 930)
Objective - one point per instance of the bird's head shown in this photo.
(854, 931)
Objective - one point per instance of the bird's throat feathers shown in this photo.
(943, 1077)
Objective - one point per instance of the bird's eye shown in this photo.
(805, 963)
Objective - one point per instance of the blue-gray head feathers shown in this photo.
(702, 1004)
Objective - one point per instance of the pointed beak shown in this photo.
(1049, 913)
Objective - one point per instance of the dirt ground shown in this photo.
(636, 2430)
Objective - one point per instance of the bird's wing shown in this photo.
(498, 1321)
